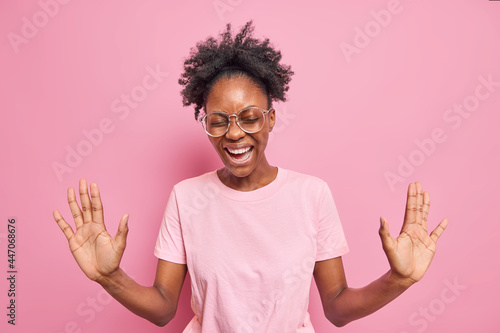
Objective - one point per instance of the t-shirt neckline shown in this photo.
(255, 195)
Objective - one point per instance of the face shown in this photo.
(242, 153)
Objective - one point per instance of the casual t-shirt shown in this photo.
(250, 255)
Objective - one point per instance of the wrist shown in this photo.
(110, 280)
(398, 281)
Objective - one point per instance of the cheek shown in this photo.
(262, 140)
(214, 142)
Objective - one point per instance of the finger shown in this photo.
(439, 230)
(121, 234)
(425, 210)
(65, 227)
(85, 201)
(420, 203)
(75, 209)
(97, 211)
(411, 206)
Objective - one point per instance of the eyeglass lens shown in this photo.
(250, 120)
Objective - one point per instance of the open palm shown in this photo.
(96, 252)
(411, 253)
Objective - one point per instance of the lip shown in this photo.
(237, 146)
(234, 161)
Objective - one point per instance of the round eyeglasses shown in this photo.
(250, 120)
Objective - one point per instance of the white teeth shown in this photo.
(238, 151)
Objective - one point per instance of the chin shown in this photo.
(239, 172)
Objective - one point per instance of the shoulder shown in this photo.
(306, 185)
(299, 179)
(193, 183)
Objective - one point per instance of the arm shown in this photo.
(158, 303)
(342, 304)
(99, 255)
(409, 258)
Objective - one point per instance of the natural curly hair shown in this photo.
(242, 55)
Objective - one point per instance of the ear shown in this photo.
(272, 119)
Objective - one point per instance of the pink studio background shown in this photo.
(353, 117)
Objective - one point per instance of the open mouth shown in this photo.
(239, 155)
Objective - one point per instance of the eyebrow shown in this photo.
(246, 107)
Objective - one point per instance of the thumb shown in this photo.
(384, 234)
(121, 234)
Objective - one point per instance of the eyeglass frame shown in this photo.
(264, 112)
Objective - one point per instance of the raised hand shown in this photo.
(96, 252)
(411, 253)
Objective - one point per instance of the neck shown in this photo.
(260, 177)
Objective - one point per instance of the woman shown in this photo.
(261, 232)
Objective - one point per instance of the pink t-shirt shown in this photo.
(250, 254)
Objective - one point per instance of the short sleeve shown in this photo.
(331, 241)
(170, 244)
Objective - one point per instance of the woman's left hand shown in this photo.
(411, 253)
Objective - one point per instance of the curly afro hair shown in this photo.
(242, 55)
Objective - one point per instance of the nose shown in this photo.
(234, 132)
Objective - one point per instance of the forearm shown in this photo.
(354, 303)
(147, 302)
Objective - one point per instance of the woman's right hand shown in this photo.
(96, 252)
